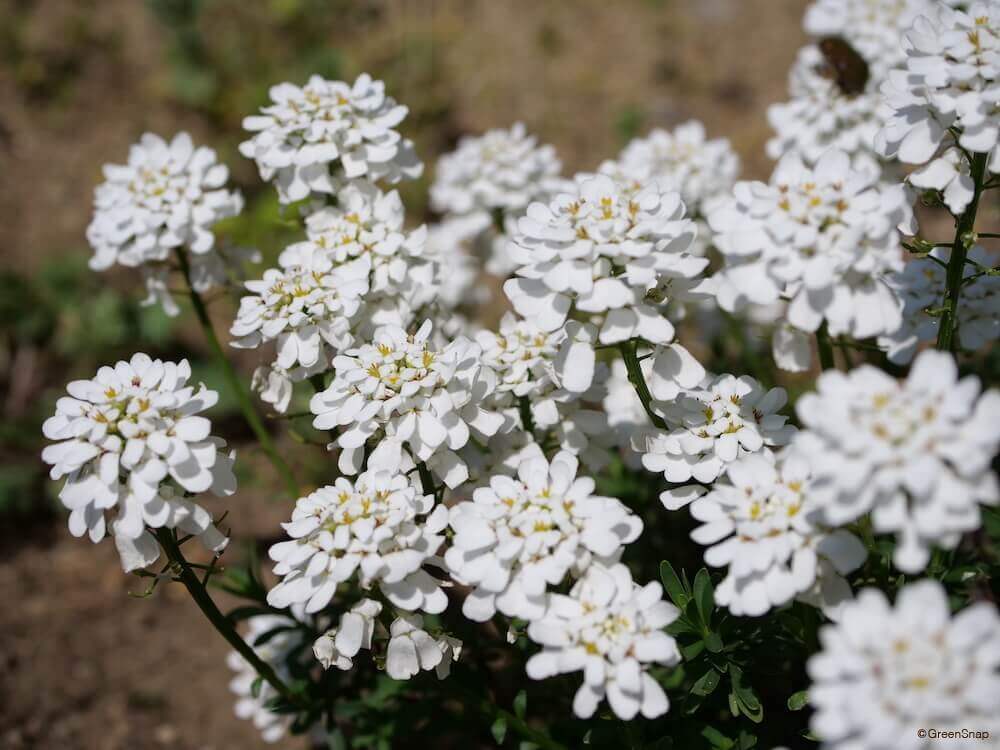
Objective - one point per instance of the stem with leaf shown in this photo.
(825, 348)
(233, 380)
(638, 381)
(956, 263)
(219, 621)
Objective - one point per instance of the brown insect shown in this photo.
(843, 64)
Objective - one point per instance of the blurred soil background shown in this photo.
(82, 664)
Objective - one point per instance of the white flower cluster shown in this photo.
(357, 269)
(915, 454)
(378, 527)
(949, 83)
(886, 672)
(709, 427)
(518, 536)
(825, 238)
(921, 286)
(611, 629)
(166, 198)
(132, 439)
(400, 392)
(311, 138)
(601, 251)
(765, 526)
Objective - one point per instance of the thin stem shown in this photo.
(524, 410)
(956, 263)
(638, 381)
(825, 349)
(219, 621)
(426, 479)
(233, 381)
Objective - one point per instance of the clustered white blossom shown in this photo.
(886, 671)
(606, 252)
(338, 646)
(518, 536)
(921, 286)
(764, 524)
(378, 527)
(132, 439)
(710, 426)
(167, 198)
(914, 454)
(824, 238)
(400, 393)
(611, 629)
(949, 83)
(312, 138)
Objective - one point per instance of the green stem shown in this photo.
(233, 381)
(520, 726)
(635, 376)
(825, 349)
(956, 263)
(219, 621)
(524, 410)
(426, 479)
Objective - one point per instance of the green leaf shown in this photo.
(797, 701)
(717, 739)
(713, 642)
(708, 682)
(692, 650)
(520, 704)
(673, 585)
(255, 686)
(499, 729)
(704, 596)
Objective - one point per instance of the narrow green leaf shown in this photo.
(499, 729)
(797, 701)
(705, 684)
(713, 642)
(520, 704)
(704, 596)
(673, 585)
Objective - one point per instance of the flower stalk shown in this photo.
(233, 381)
(956, 263)
(825, 349)
(638, 381)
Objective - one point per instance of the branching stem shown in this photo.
(638, 381)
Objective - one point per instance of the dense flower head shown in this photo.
(311, 138)
(824, 238)
(949, 83)
(168, 196)
(711, 426)
(521, 354)
(255, 695)
(501, 170)
(611, 629)
(399, 390)
(886, 671)
(921, 286)
(915, 454)
(682, 159)
(819, 115)
(520, 535)
(338, 646)
(762, 522)
(412, 649)
(131, 438)
(377, 527)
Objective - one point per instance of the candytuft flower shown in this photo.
(611, 629)
(518, 536)
(915, 454)
(132, 439)
(311, 138)
(339, 645)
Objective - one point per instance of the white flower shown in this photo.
(915, 454)
(274, 651)
(886, 671)
(950, 82)
(598, 251)
(626, 415)
(274, 386)
(501, 170)
(452, 245)
(519, 536)
(820, 115)
(411, 649)
(610, 629)
(168, 196)
(713, 425)
(763, 524)
(948, 173)
(922, 284)
(123, 438)
(338, 646)
(311, 138)
(398, 391)
(825, 238)
(378, 527)
(521, 354)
